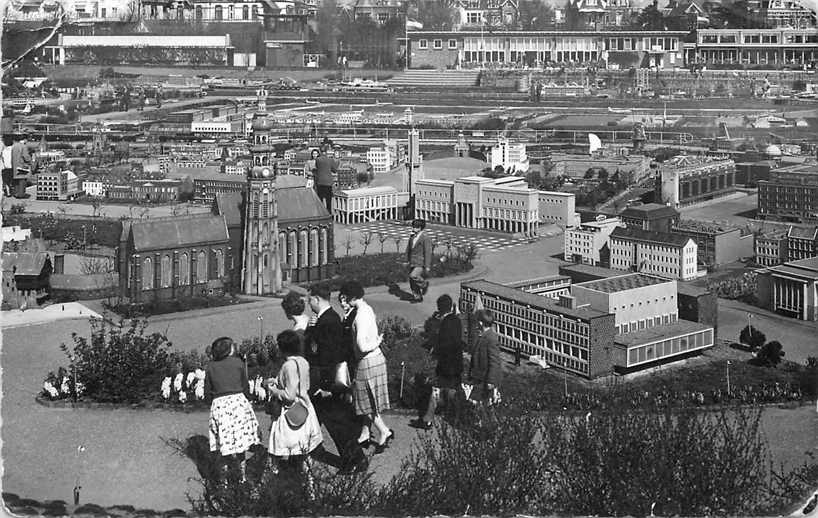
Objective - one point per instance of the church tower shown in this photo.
(261, 270)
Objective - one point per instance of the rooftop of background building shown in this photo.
(662, 332)
(666, 238)
(688, 161)
(536, 301)
(707, 227)
(623, 283)
(649, 211)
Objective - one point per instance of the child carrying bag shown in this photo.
(296, 414)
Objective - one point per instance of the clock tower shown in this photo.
(261, 270)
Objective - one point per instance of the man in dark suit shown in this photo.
(419, 256)
(485, 370)
(447, 347)
(323, 176)
(325, 349)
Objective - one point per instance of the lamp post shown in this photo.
(565, 374)
(727, 367)
(260, 329)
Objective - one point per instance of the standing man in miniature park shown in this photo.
(22, 164)
(447, 347)
(326, 351)
(419, 256)
(326, 167)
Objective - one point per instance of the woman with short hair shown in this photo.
(370, 391)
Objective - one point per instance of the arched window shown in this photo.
(201, 267)
(217, 13)
(165, 273)
(254, 12)
(265, 233)
(314, 255)
(245, 13)
(184, 269)
(147, 274)
(324, 246)
(292, 251)
(302, 249)
(219, 263)
(282, 246)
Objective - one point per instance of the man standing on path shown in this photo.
(325, 350)
(8, 172)
(447, 347)
(326, 167)
(419, 256)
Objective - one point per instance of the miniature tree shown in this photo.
(366, 240)
(752, 337)
(770, 354)
(398, 241)
(382, 239)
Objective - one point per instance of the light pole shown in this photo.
(260, 330)
(565, 374)
(728, 377)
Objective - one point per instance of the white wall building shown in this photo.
(367, 204)
(15, 233)
(658, 253)
(583, 244)
(501, 204)
(94, 188)
(511, 156)
(558, 208)
(638, 301)
(378, 158)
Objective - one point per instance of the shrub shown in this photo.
(394, 327)
(119, 363)
(752, 336)
(770, 354)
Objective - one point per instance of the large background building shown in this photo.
(659, 253)
(686, 180)
(791, 194)
(588, 243)
(791, 289)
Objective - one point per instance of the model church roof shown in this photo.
(176, 232)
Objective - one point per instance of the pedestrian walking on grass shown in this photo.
(370, 391)
(233, 424)
(447, 347)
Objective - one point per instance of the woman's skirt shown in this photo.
(370, 390)
(233, 425)
(285, 442)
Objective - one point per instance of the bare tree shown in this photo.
(348, 243)
(398, 241)
(382, 239)
(92, 265)
(366, 240)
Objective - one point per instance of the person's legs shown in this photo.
(416, 282)
(429, 416)
(20, 188)
(363, 437)
(7, 181)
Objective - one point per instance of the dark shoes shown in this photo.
(420, 424)
(417, 298)
(380, 448)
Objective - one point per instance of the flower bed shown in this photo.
(163, 307)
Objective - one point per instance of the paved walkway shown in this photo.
(68, 311)
(125, 459)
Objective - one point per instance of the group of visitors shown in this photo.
(334, 374)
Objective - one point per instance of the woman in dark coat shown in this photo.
(485, 371)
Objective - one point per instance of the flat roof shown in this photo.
(623, 282)
(806, 268)
(661, 332)
(530, 299)
(587, 269)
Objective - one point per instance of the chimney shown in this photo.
(567, 301)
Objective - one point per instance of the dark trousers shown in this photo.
(325, 193)
(8, 179)
(20, 187)
(338, 416)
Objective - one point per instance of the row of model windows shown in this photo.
(638, 325)
(218, 13)
(436, 44)
(164, 269)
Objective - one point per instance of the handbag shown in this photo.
(296, 414)
(342, 379)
